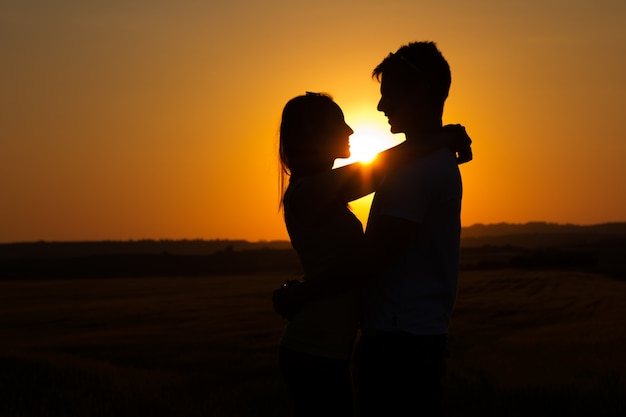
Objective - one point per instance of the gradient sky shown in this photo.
(157, 119)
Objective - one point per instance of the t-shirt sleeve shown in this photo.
(405, 194)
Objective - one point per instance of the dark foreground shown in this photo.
(523, 343)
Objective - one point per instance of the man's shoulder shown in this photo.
(439, 160)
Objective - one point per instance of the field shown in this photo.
(523, 343)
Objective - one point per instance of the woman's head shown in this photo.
(313, 133)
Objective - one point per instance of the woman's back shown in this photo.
(326, 327)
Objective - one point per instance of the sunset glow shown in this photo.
(158, 120)
(366, 142)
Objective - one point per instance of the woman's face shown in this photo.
(335, 135)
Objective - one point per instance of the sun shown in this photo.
(365, 145)
(366, 142)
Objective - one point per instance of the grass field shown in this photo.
(523, 343)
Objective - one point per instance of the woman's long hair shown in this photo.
(301, 119)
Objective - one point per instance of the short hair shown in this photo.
(419, 62)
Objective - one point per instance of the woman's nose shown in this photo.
(379, 106)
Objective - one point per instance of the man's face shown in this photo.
(402, 103)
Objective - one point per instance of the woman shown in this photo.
(316, 347)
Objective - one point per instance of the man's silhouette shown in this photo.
(412, 242)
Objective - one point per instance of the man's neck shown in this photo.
(418, 132)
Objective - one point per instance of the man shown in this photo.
(412, 239)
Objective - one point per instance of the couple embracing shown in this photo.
(379, 299)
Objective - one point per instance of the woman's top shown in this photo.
(325, 327)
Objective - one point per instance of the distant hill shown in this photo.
(507, 229)
(600, 248)
(540, 234)
(536, 234)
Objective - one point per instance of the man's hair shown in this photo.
(419, 62)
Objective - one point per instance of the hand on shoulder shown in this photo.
(459, 141)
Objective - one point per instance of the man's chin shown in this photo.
(393, 127)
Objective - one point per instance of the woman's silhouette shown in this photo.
(316, 347)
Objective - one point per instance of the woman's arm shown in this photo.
(359, 179)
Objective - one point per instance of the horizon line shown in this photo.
(198, 239)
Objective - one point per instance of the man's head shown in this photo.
(415, 81)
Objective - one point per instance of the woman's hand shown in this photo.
(287, 300)
(459, 141)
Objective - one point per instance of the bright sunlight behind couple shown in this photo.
(368, 140)
(370, 137)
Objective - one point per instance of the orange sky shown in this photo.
(157, 119)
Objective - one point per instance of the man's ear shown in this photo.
(422, 89)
